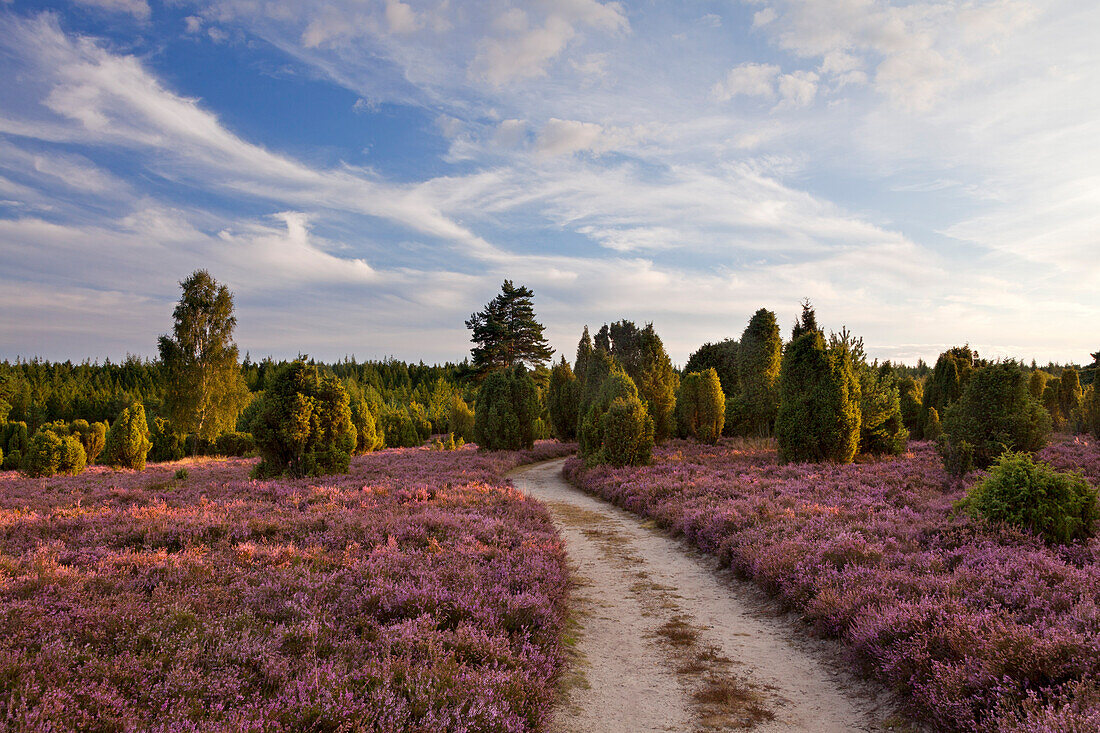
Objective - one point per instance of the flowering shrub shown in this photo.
(984, 628)
(416, 592)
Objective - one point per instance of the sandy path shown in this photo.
(665, 642)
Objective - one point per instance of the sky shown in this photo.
(363, 174)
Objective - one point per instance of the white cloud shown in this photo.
(561, 137)
(137, 8)
(749, 79)
(510, 133)
(193, 23)
(798, 88)
(401, 17)
(524, 52)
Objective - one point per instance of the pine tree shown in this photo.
(506, 332)
(807, 323)
(205, 390)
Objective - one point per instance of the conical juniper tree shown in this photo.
(506, 333)
(758, 361)
(205, 390)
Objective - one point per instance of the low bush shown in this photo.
(168, 445)
(234, 444)
(51, 453)
(1061, 507)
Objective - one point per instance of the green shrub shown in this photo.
(181, 474)
(421, 424)
(910, 393)
(933, 428)
(819, 413)
(1061, 507)
(16, 441)
(92, 436)
(627, 433)
(758, 363)
(461, 418)
(398, 430)
(1, 456)
(128, 441)
(1037, 383)
(563, 401)
(996, 413)
(701, 406)
(51, 452)
(234, 444)
(303, 427)
(1092, 411)
(882, 431)
(507, 410)
(367, 436)
(43, 454)
(631, 438)
(168, 445)
(723, 356)
(948, 379)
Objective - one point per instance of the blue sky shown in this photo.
(364, 173)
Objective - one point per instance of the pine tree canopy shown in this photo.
(505, 332)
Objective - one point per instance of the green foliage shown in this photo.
(1068, 400)
(398, 428)
(303, 426)
(807, 323)
(128, 441)
(1092, 410)
(234, 444)
(947, 381)
(996, 413)
(461, 419)
(52, 450)
(642, 355)
(420, 421)
(168, 445)
(620, 436)
(759, 359)
(205, 390)
(507, 410)
(910, 394)
(506, 333)
(563, 400)
(701, 406)
(1061, 507)
(1037, 383)
(882, 431)
(367, 436)
(627, 432)
(819, 402)
(181, 474)
(933, 428)
(43, 457)
(17, 441)
(92, 436)
(723, 358)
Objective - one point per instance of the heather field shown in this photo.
(981, 628)
(418, 592)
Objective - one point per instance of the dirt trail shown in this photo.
(665, 642)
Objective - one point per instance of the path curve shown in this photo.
(662, 641)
